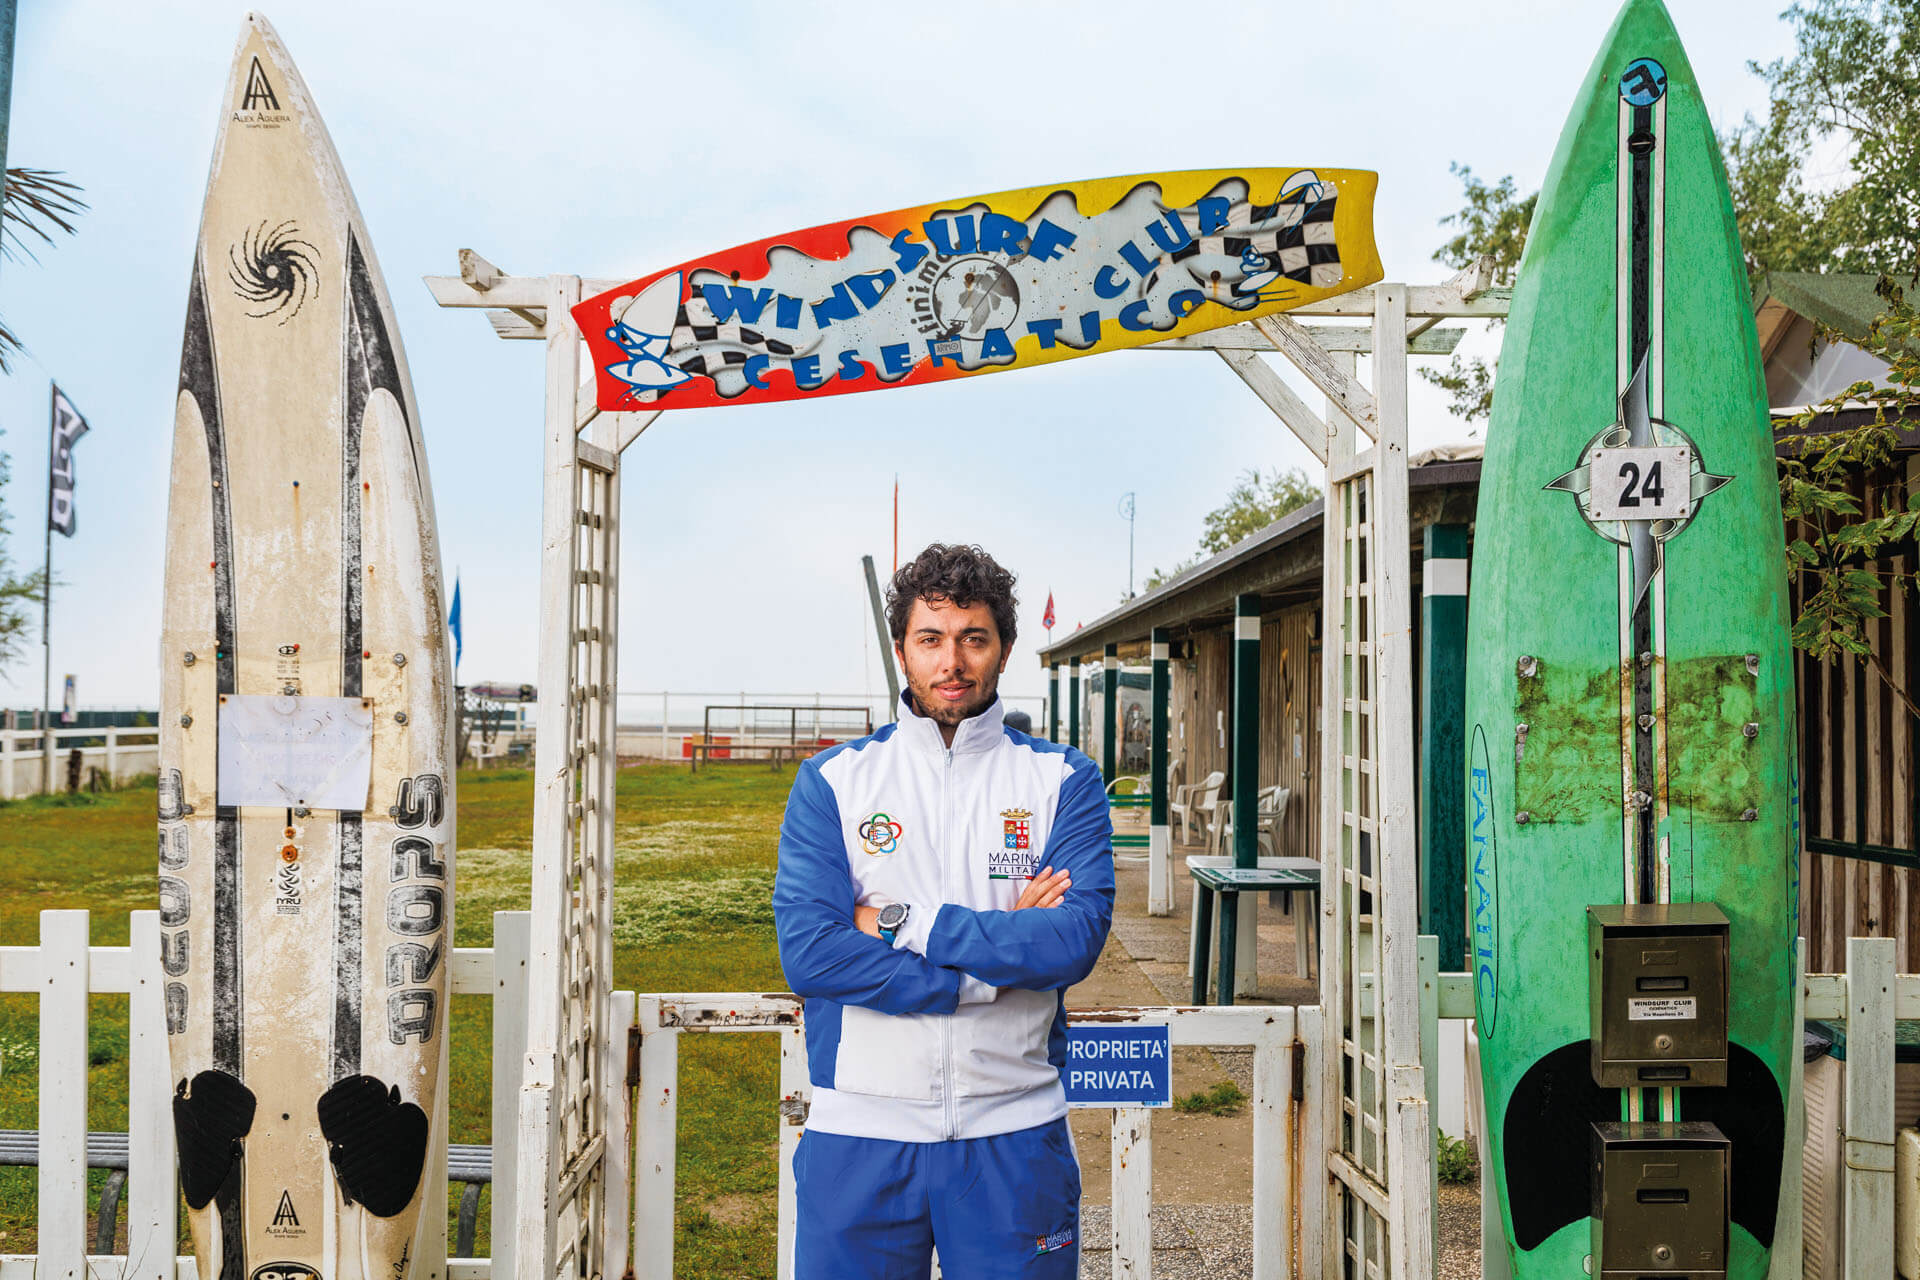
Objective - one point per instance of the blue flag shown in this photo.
(453, 621)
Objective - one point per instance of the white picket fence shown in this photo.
(126, 751)
(1289, 1178)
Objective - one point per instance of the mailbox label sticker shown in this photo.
(1663, 1009)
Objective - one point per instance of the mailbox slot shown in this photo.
(1657, 983)
(1660, 1201)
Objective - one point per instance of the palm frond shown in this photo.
(38, 202)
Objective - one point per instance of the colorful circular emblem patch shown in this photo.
(880, 835)
(1643, 83)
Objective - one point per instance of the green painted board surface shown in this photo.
(1631, 333)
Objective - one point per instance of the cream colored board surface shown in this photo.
(302, 949)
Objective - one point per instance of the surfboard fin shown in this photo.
(212, 1113)
(377, 1142)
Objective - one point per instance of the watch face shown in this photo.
(892, 916)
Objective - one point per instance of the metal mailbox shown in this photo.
(1660, 1200)
(1657, 983)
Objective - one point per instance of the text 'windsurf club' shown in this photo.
(936, 293)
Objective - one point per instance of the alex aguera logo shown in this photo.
(880, 835)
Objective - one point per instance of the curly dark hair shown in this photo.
(965, 576)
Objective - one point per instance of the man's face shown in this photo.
(952, 659)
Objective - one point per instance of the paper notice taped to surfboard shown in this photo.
(292, 752)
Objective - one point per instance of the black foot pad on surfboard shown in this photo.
(1548, 1139)
(378, 1143)
(211, 1114)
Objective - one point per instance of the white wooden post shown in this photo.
(796, 1095)
(1316, 1254)
(656, 1124)
(1133, 1191)
(1409, 1120)
(113, 755)
(6, 764)
(538, 1152)
(153, 1198)
(46, 757)
(1789, 1232)
(511, 931)
(63, 1094)
(619, 1147)
(664, 749)
(1869, 1126)
(1273, 1164)
(1429, 964)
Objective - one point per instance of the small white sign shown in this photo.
(284, 752)
(1662, 1008)
(1640, 484)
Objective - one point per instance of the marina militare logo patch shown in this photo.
(880, 835)
(1056, 1240)
(1016, 858)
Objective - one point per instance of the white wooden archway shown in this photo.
(1368, 1145)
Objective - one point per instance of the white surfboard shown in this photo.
(306, 795)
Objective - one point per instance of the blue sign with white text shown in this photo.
(1109, 1066)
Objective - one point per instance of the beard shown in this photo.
(941, 711)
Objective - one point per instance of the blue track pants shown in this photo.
(871, 1209)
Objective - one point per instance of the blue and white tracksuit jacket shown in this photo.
(958, 1030)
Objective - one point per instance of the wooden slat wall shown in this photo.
(1201, 686)
(1289, 708)
(1858, 751)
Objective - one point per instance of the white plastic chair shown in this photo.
(1193, 801)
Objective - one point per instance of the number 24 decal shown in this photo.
(1651, 489)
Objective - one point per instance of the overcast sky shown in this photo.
(609, 140)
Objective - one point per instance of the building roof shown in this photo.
(1282, 559)
(1845, 303)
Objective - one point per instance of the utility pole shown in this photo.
(886, 640)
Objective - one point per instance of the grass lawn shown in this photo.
(695, 856)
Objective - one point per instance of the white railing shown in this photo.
(653, 721)
(1270, 1031)
(121, 752)
(1289, 1168)
(64, 969)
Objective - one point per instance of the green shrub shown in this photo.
(1223, 1099)
(1459, 1162)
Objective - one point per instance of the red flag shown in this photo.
(1046, 619)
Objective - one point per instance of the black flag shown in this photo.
(68, 427)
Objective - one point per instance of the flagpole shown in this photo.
(46, 614)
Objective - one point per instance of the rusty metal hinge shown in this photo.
(1299, 1070)
(633, 1057)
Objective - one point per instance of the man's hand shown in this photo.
(1044, 890)
(867, 920)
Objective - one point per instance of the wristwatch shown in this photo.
(892, 916)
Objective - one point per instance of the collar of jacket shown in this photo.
(971, 736)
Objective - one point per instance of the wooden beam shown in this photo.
(1350, 337)
(529, 292)
(1279, 397)
(477, 271)
(518, 324)
(1422, 300)
(1314, 360)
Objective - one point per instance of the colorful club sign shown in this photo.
(973, 286)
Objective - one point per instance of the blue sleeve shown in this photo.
(1050, 949)
(823, 953)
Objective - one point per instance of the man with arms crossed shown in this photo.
(941, 884)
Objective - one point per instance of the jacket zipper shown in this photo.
(946, 1024)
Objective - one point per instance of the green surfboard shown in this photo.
(1629, 693)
